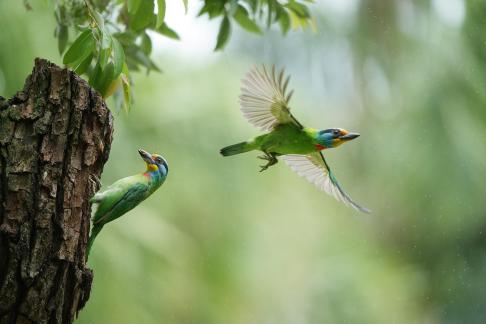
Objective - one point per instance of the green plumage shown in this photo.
(287, 139)
(120, 197)
(125, 194)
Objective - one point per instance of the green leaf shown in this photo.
(223, 34)
(269, 14)
(146, 44)
(135, 56)
(299, 9)
(83, 46)
(132, 6)
(144, 15)
(167, 31)
(297, 21)
(103, 57)
(101, 80)
(96, 16)
(105, 51)
(83, 65)
(212, 8)
(94, 76)
(126, 92)
(118, 58)
(132, 63)
(233, 6)
(105, 39)
(127, 38)
(62, 37)
(253, 5)
(185, 5)
(241, 17)
(160, 13)
(203, 10)
(143, 59)
(284, 21)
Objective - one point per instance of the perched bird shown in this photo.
(125, 194)
(264, 101)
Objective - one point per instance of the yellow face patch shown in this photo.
(152, 167)
(336, 142)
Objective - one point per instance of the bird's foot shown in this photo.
(272, 160)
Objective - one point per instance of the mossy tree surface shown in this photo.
(55, 137)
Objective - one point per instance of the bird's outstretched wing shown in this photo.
(315, 169)
(264, 100)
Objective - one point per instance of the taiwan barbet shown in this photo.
(264, 101)
(125, 194)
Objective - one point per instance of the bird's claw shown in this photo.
(263, 167)
(271, 161)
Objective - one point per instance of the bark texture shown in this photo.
(55, 137)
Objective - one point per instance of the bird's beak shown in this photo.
(146, 156)
(349, 136)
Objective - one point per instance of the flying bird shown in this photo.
(264, 101)
(125, 194)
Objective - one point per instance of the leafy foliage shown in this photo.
(249, 13)
(111, 37)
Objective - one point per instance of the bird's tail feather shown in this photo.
(94, 232)
(236, 149)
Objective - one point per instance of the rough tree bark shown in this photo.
(55, 137)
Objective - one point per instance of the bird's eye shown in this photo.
(336, 132)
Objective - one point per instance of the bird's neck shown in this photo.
(154, 177)
(312, 133)
(320, 147)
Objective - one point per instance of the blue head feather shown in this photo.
(327, 137)
(162, 166)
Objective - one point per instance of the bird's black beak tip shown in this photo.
(349, 136)
(145, 155)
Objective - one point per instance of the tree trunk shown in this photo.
(55, 137)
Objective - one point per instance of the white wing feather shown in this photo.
(264, 99)
(314, 168)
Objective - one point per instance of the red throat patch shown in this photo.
(320, 147)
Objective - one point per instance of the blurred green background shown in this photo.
(222, 243)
